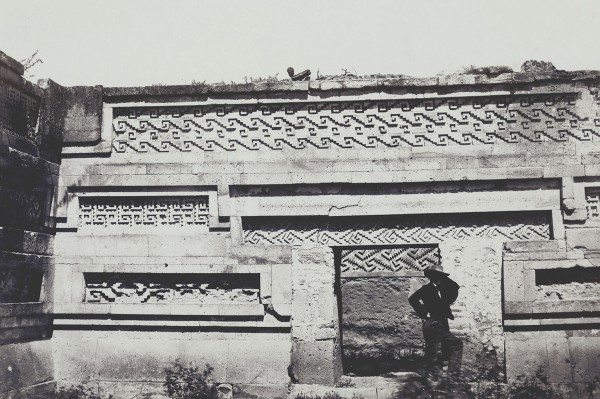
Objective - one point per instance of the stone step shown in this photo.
(377, 387)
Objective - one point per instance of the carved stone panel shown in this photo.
(353, 124)
(146, 212)
(347, 231)
(416, 258)
(171, 288)
(592, 199)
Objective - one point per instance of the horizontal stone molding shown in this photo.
(158, 324)
(354, 205)
(144, 310)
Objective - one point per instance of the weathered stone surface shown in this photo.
(380, 330)
(316, 347)
(518, 365)
(531, 246)
(134, 356)
(585, 354)
(559, 360)
(254, 254)
(584, 238)
(10, 63)
(25, 364)
(476, 266)
(82, 122)
(337, 133)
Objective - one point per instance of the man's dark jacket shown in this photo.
(426, 300)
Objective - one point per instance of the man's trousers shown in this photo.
(436, 332)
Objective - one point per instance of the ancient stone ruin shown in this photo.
(275, 230)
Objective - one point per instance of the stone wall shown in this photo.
(556, 326)
(29, 152)
(272, 179)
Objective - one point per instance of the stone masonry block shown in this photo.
(531, 246)
(592, 170)
(121, 245)
(514, 289)
(197, 245)
(517, 307)
(25, 364)
(559, 362)
(552, 171)
(83, 119)
(529, 287)
(258, 361)
(510, 257)
(590, 159)
(534, 256)
(519, 366)
(261, 254)
(585, 358)
(134, 359)
(281, 287)
(312, 362)
(66, 244)
(583, 238)
(316, 352)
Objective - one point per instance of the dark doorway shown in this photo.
(378, 329)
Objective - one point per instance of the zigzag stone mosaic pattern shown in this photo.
(171, 288)
(416, 229)
(143, 211)
(592, 197)
(388, 259)
(353, 124)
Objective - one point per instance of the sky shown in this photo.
(144, 42)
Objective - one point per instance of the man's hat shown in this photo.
(435, 270)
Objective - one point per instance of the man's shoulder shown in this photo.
(448, 282)
(424, 288)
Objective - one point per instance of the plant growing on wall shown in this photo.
(188, 382)
(73, 392)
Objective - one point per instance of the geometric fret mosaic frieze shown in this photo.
(592, 198)
(171, 288)
(106, 212)
(353, 124)
(406, 229)
(389, 259)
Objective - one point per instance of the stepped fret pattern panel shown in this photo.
(388, 259)
(395, 229)
(109, 212)
(592, 197)
(171, 288)
(353, 124)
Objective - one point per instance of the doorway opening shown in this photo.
(379, 331)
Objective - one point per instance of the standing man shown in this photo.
(432, 304)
